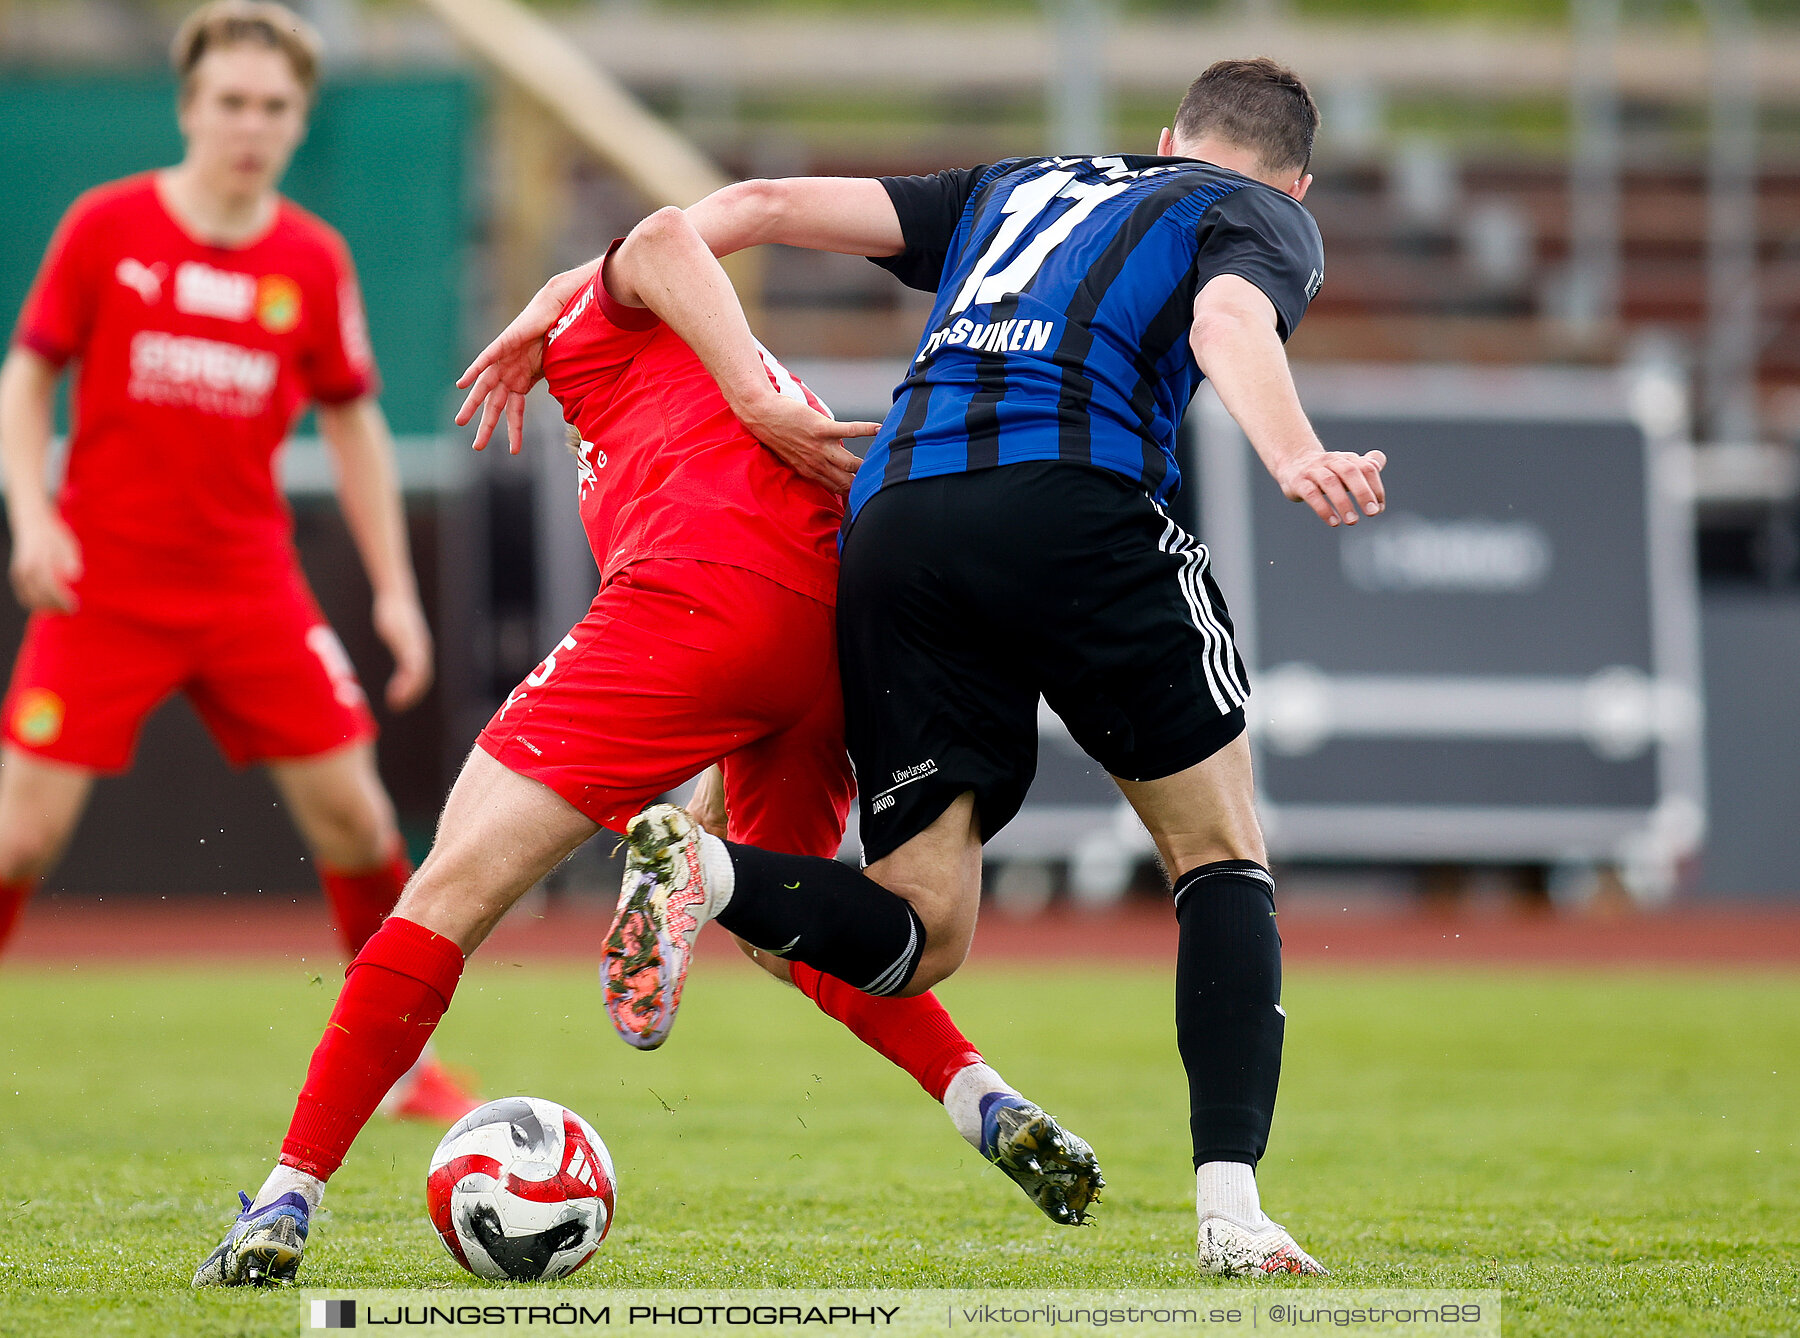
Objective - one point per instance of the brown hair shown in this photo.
(1256, 104)
(225, 23)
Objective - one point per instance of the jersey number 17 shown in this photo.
(1022, 209)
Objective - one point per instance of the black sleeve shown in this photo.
(930, 208)
(1270, 239)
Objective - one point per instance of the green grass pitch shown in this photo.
(1617, 1152)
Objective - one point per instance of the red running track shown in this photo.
(62, 929)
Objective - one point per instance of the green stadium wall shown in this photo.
(386, 163)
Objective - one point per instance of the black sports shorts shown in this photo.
(964, 597)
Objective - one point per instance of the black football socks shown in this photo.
(826, 914)
(1228, 1018)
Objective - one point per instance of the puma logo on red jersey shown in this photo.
(145, 280)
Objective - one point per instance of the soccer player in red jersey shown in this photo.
(711, 640)
(202, 311)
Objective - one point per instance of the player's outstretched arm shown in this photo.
(46, 558)
(665, 265)
(504, 372)
(368, 483)
(1237, 344)
(849, 215)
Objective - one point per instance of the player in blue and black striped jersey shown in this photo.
(1066, 292)
(1006, 538)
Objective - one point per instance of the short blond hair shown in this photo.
(227, 23)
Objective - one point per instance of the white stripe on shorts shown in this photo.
(1219, 661)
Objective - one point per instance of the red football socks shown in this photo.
(394, 993)
(361, 901)
(13, 896)
(917, 1034)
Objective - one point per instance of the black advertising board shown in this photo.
(1504, 665)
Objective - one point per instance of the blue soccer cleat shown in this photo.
(1057, 1170)
(262, 1248)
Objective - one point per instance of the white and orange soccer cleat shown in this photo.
(1236, 1249)
(662, 906)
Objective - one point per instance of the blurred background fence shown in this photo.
(1588, 197)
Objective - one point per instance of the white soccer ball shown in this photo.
(522, 1189)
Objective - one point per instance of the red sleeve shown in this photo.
(59, 313)
(636, 320)
(340, 365)
(595, 338)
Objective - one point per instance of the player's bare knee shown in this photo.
(941, 901)
(1189, 850)
(924, 979)
(354, 831)
(932, 971)
(946, 949)
(1188, 843)
(447, 905)
(376, 839)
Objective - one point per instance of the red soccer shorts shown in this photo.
(677, 665)
(265, 673)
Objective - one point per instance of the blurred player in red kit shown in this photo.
(712, 639)
(202, 312)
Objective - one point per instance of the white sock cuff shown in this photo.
(962, 1099)
(972, 1082)
(1228, 1187)
(285, 1179)
(721, 875)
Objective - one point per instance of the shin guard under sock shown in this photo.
(1228, 1018)
(14, 893)
(826, 915)
(915, 1034)
(360, 901)
(394, 993)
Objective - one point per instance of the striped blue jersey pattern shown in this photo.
(1064, 301)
